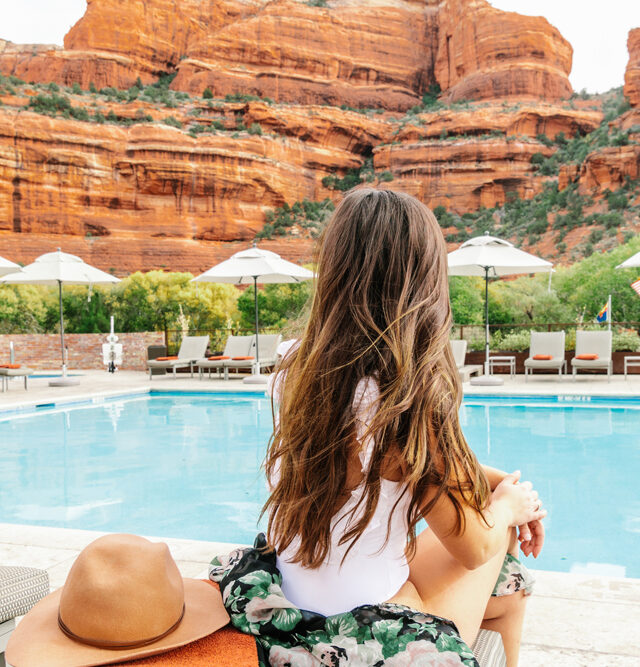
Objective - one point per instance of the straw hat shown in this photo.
(124, 598)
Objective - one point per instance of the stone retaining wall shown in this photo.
(42, 351)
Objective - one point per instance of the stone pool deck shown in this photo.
(573, 620)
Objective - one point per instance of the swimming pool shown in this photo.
(188, 465)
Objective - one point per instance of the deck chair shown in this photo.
(267, 347)
(192, 348)
(6, 373)
(236, 346)
(546, 343)
(459, 349)
(593, 342)
(20, 589)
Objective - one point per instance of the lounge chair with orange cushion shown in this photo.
(14, 370)
(267, 349)
(593, 351)
(236, 346)
(546, 352)
(192, 348)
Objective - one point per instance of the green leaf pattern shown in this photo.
(382, 635)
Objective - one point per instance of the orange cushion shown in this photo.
(587, 357)
(12, 366)
(542, 357)
(164, 358)
(226, 646)
(218, 358)
(242, 358)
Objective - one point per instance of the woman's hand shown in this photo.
(521, 498)
(531, 536)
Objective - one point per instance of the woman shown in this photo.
(367, 442)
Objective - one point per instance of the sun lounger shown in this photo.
(459, 349)
(236, 346)
(267, 347)
(20, 589)
(546, 344)
(596, 344)
(192, 348)
(6, 373)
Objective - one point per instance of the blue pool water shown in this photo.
(188, 465)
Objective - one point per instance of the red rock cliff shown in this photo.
(385, 54)
(632, 73)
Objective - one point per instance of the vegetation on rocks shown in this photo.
(302, 218)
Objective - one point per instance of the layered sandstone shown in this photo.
(382, 55)
(487, 53)
(632, 73)
(462, 175)
(527, 120)
(609, 168)
(148, 183)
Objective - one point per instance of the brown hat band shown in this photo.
(115, 646)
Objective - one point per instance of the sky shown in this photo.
(597, 30)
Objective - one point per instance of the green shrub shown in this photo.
(515, 341)
(92, 88)
(207, 93)
(111, 116)
(255, 129)
(50, 104)
(98, 117)
(386, 176)
(306, 215)
(80, 114)
(75, 89)
(626, 340)
(616, 200)
(173, 122)
(317, 3)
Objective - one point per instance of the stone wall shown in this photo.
(42, 351)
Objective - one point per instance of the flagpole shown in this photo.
(609, 313)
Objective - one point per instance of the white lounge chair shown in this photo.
(192, 348)
(546, 343)
(459, 349)
(236, 346)
(6, 373)
(267, 348)
(593, 342)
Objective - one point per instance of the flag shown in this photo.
(635, 286)
(603, 315)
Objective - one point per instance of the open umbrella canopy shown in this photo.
(57, 267)
(489, 256)
(7, 266)
(255, 263)
(634, 260)
(501, 258)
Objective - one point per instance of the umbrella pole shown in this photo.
(64, 366)
(486, 320)
(255, 299)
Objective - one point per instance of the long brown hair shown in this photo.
(380, 309)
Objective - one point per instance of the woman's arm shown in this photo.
(511, 504)
(494, 476)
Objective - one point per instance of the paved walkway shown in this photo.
(572, 620)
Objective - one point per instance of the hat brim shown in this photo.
(38, 640)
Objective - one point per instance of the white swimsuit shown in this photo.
(373, 571)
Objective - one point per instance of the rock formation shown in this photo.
(632, 73)
(340, 78)
(487, 53)
(381, 55)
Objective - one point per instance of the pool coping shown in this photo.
(96, 398)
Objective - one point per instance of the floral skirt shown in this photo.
(368, 636)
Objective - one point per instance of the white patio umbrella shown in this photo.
(58, 268)
(255, 265)
(491, 257)
(6, 266)
(634, 260)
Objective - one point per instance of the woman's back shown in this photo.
(376, 566)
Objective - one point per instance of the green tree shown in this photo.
(278, 304)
